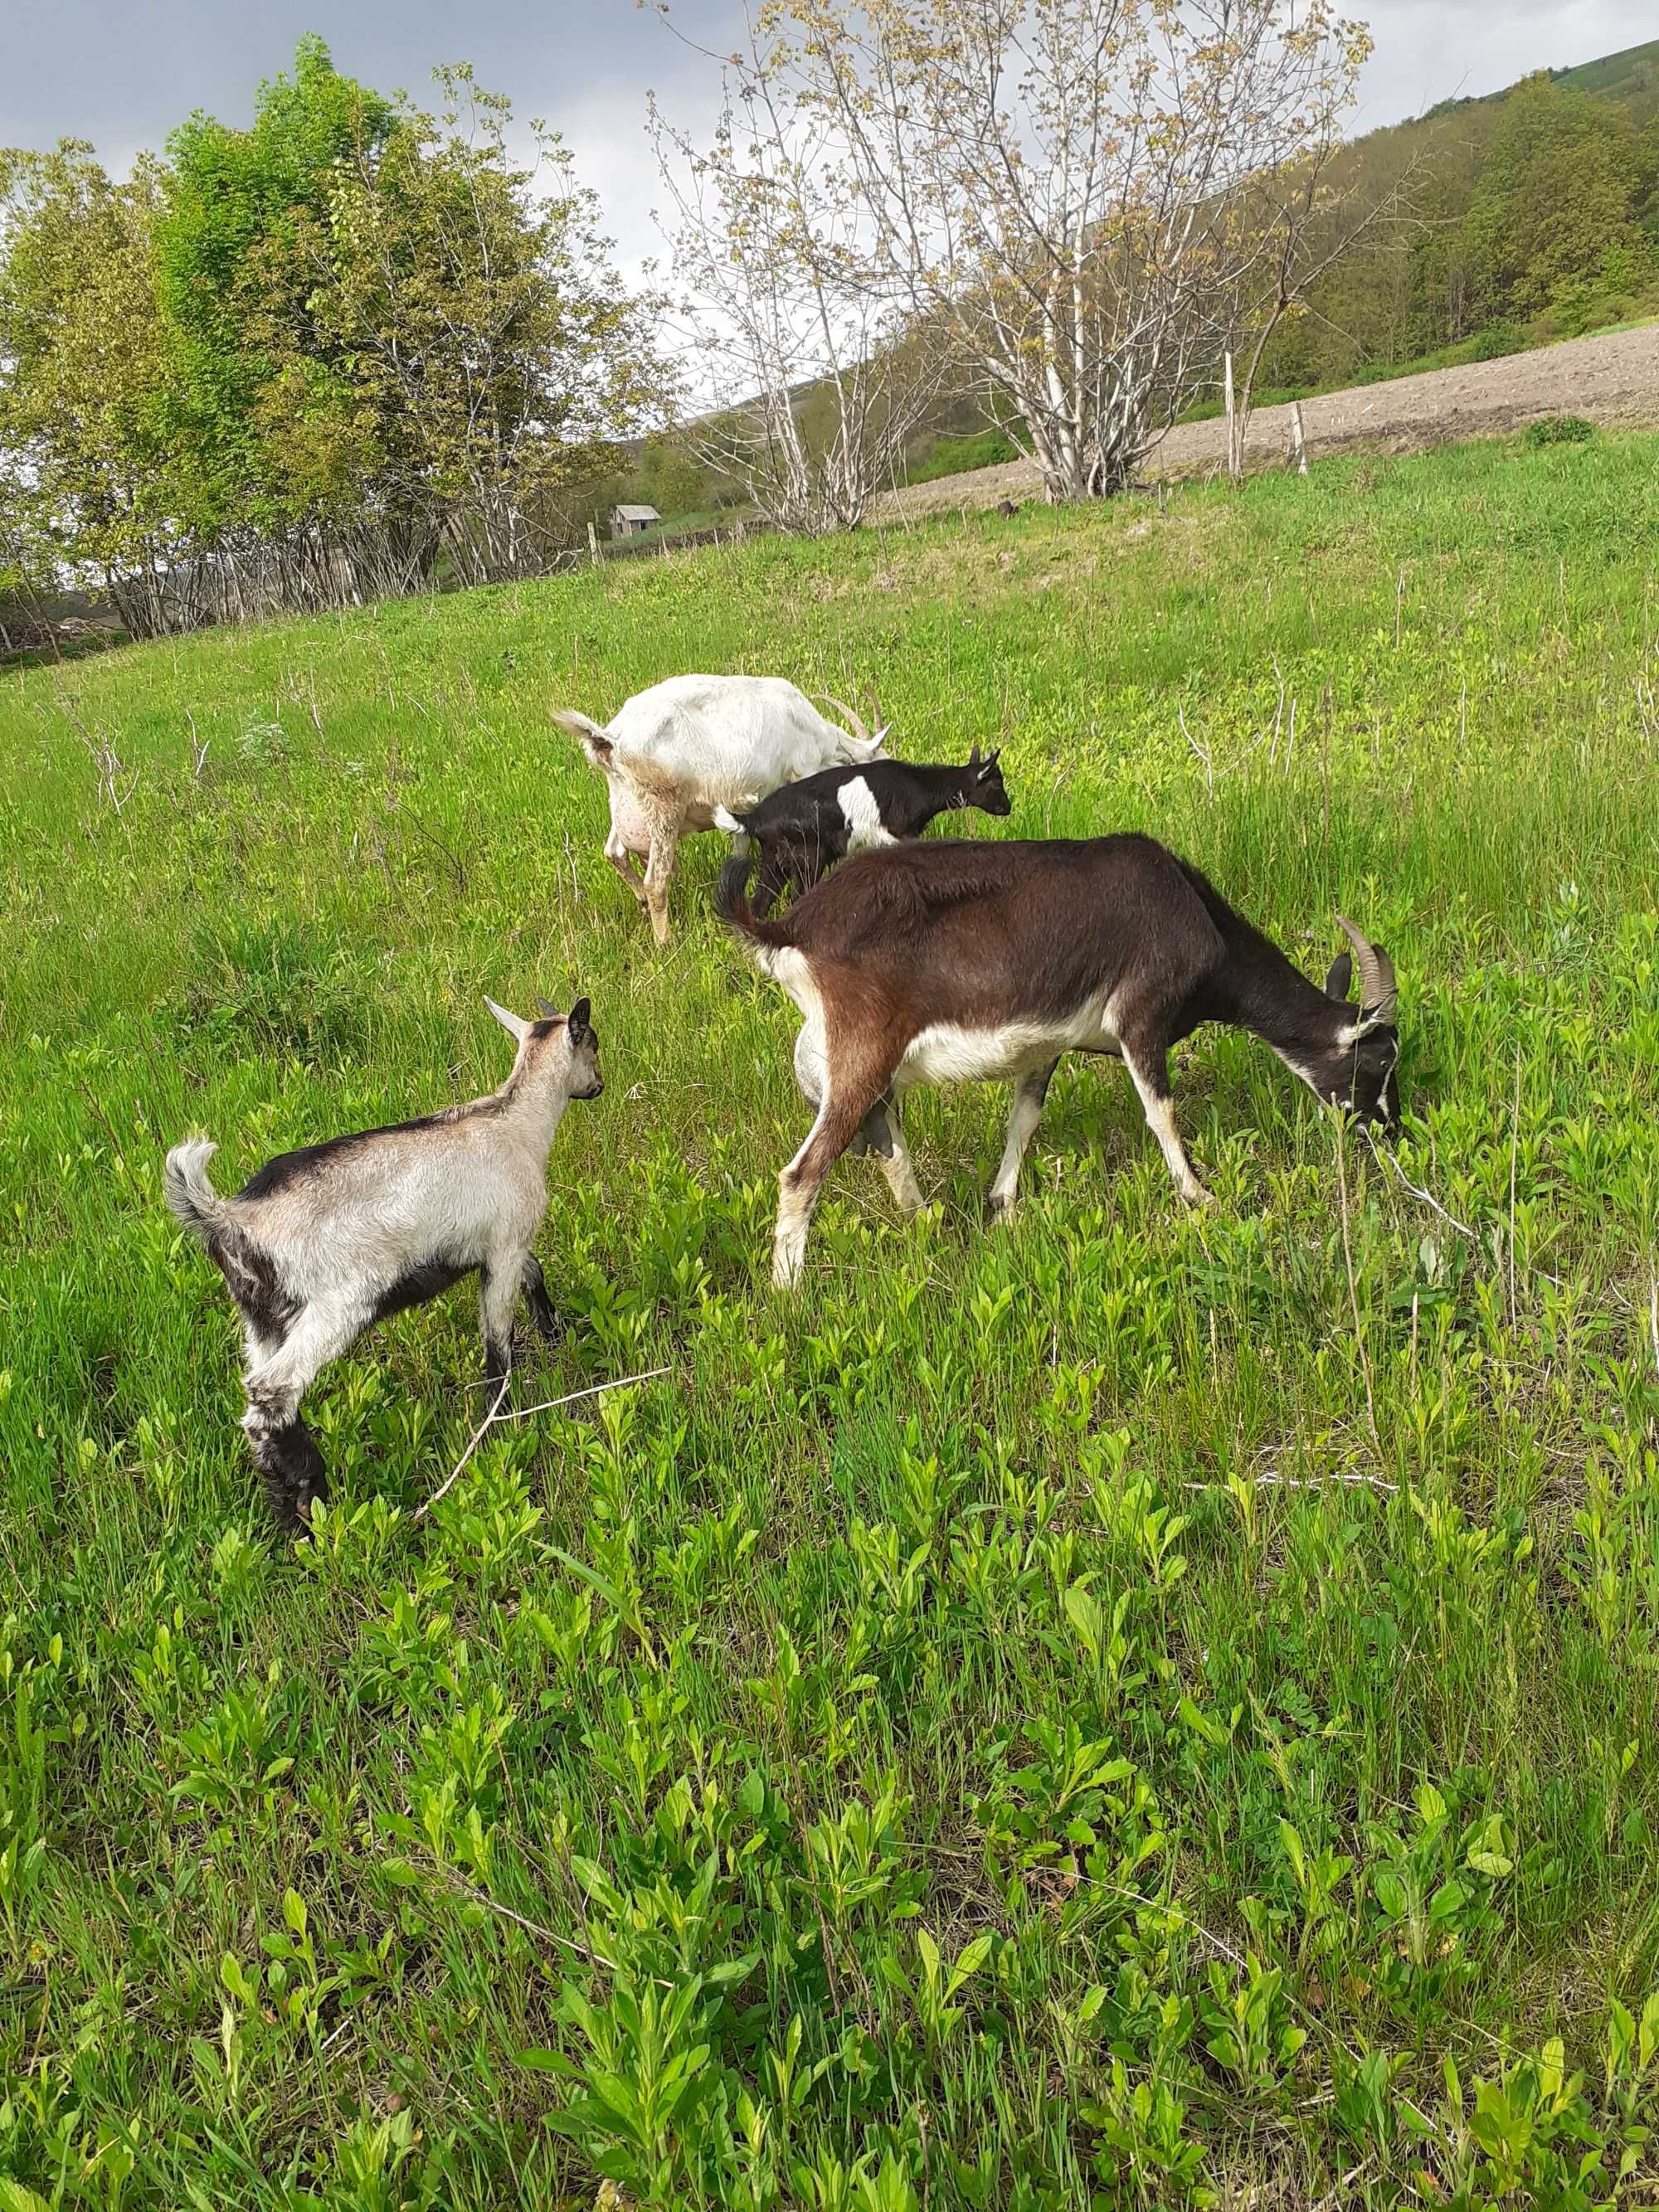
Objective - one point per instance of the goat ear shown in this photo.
(1341, 975)
(988, 767)
(577, 1021)
(517, 1029)
(973, 757)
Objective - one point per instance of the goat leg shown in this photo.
(284, 1448)
(883, 1133)
(543, 1313)
(623, 860)
(1029, 1094)
(1149, 1073)
(295, 1477)
(850, 1096)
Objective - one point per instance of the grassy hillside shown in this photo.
(1134, 1710)
(1631, 75)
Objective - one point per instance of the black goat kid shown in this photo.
(804, 828)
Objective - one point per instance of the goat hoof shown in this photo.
(1001, 1214)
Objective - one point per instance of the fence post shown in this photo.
(1232, 430)
(1299, 455)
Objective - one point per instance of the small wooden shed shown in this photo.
(629, 521)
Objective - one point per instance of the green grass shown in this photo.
(1617, 75)
(1148, 1707)
(953, 457)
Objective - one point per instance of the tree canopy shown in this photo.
(318, 357)
(1554, 213)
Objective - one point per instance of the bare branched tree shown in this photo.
(1070, 187)
(784, 304)
(1303, 221)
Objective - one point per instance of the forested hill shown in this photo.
(1534, 215)
(1632, 75)
(1527, 214)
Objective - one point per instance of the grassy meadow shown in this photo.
(1146, 1708)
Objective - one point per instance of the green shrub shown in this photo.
(950, 457)
(271, 987)
(1497, 341)
(1557, 430)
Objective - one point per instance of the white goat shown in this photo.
(323, 1242)
(673, 754)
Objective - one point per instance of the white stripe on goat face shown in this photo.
(862, 816)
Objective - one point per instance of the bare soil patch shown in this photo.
(1611, 381)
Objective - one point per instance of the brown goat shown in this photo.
(943, 962)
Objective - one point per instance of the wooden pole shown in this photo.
(1232, 426)
(593, 541)
(1298, 442)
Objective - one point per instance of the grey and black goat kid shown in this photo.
(804, 828)
(322, 1243)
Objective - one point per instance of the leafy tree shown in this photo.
(789, 325)
(465, 351)
(89, 468)
(1555, 210)
(239, 203)
(1076, 193)
(310, 360)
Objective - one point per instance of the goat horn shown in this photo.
(552, 1012)
(842, 707)
(1379, 994)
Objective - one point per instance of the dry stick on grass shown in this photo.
(198, 749)
(117, 1151)
(1271, 1481)
(107, 763)
(454, 1476)
(594, 1391)
(1514, 1146)
(1199, 751)
(1353, 1288)
(477, 1896)
(495, 1416)
(1427, 1197)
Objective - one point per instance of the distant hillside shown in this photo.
(1632, 75)
(1532, 215)
(1629, 77)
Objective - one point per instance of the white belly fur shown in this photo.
(948, 1053)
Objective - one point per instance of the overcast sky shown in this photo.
(124, 75)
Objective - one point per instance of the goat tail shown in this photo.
(189, 1194)
(732, 894)
(587, 733)
(725, 819)
(759, 938)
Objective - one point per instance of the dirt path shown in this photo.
(1611, 380)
